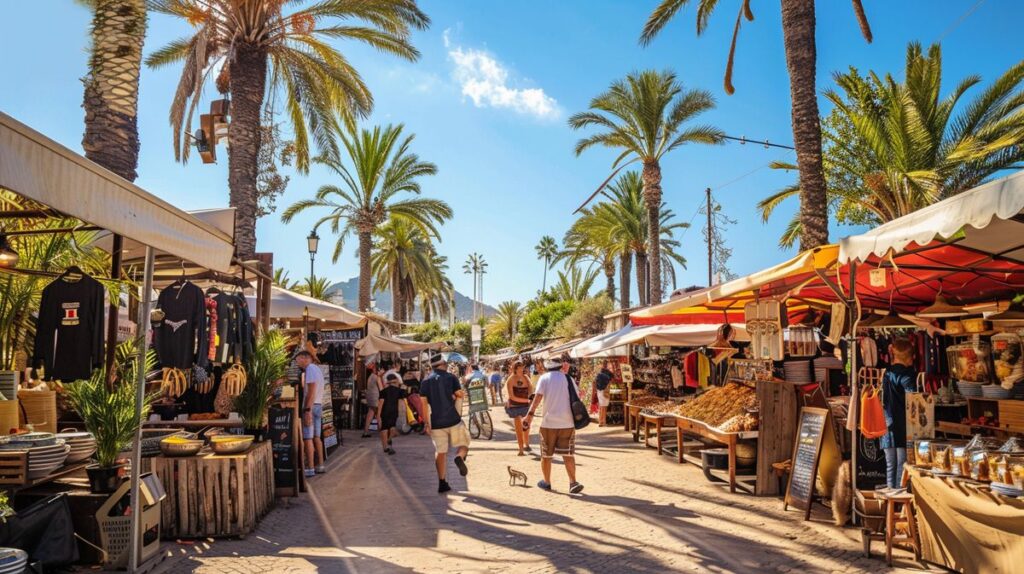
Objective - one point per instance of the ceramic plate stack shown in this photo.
(969, 389)
(43, 460)
(996, 392)
(1006, 490)
(82, 444)
(12, 561)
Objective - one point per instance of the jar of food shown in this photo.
(961, 462)
(980, 469)
(923, 453)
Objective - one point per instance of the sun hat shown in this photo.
(437, 360)
(552, 363)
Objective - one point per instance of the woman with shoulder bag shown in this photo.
(518, 404)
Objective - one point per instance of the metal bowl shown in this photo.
(232, 444)
(188, 448)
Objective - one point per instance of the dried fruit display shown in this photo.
(721, 405)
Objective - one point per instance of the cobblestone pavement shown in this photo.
(639, 513)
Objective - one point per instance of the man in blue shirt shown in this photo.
(444, 423)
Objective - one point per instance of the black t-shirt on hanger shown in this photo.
(181, 339)
(69, 330)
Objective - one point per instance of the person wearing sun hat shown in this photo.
(440, 391)
(557, 430)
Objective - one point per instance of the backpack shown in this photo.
(580, 414)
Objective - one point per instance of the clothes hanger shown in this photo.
(72, 274)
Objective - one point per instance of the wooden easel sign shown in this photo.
(815, 452)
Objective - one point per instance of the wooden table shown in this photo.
(632, 420)
(211, 495)
(658, 422)
(686, 426)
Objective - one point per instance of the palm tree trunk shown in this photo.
(248, 84)
(643, 284)
(798, 23)
(397, 299)
(365, 246)
(609, 276)
(652, 196)
(625, 270)
(544, 284)
(111, 99)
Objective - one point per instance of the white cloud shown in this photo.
(485, 81)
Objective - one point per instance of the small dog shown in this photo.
(515, 476)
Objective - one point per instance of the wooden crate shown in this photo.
(1011, 415)
(8, 416)
(14, 468)
(216, 495)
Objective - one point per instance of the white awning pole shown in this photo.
(145, 300)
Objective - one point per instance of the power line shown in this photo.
(765, 143)
(960, 20)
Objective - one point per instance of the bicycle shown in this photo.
(478, 418)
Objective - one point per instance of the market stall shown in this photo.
(60, 192)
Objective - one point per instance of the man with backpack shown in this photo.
(557, 429)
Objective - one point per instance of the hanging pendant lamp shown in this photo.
(1014, 313)
(870, 321)
(892, 321)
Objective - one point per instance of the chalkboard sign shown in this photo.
(813, 438)
(282, 441)
(477, 396)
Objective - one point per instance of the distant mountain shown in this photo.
(349, 292)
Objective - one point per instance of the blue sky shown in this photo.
(489, 99)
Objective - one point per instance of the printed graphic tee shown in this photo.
(69, 331)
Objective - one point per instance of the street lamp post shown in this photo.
(305, 321)
(312, 242)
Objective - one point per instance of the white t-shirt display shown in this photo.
(555, 388)
(315, 376)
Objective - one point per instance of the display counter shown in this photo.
(966, 527)
(211, 495)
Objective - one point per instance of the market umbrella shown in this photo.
(457, 358)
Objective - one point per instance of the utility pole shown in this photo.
(711, 239)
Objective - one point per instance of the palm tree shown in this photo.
(111, 99)
(798, 25)
(893, 148)
(435, 293)
(317, 288)
(574, 285)
(506, 322)
(403, 260)
(383, 169)
(593, 243)
(616, 228)
(547, 250)
(282, 280)
(643, 117)
(265, 53)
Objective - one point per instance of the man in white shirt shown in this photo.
(312, 412)
(557, 431)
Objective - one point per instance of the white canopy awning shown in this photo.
(373, 344)
(285, 304)
(986, 216)
(44, 171)
(614, 344)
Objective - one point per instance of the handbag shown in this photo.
(872, 414)
(580, 414)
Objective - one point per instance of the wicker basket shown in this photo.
(39, 408)
(8, 416)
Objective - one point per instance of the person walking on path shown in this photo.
(557, 431)
(497, 396)
(444, 423)
(373, 385)
(390, 396)
(601, 382)
(519, 405)
(312, 413)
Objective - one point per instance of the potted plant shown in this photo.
(109, 413)
(265, 370)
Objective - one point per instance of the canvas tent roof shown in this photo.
(688, 335)
(48, 173)
(285, 304)
(373, 344)
(724, 303)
